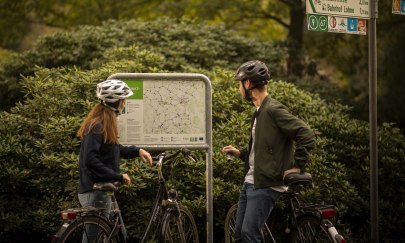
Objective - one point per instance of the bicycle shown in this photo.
(301, 223)
(174, 221)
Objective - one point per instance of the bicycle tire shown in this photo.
(170, 229)
(229, 226)
(77, 231)
(310, 229)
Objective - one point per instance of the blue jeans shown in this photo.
(97, 199)
(254, 208)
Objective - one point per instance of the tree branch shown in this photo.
(272, 17)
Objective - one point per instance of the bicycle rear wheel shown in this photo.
(229, 227)
(310, 229)
(171, 230)
(88, 228)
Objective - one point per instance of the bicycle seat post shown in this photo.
(114, 204)
(109, 189)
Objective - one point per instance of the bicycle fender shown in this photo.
(333, 231)
(309, 213)
(60, 232)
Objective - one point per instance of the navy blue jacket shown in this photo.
(99, 161)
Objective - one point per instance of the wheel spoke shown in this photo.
(310, 230)
(173, 232)
(87, 229)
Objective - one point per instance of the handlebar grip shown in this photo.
(166, 157)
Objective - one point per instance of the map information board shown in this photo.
(164, 112)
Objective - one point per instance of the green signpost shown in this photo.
(317, 22)
(345, 8)
(348, 16)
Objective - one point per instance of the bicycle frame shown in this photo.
(116, 216)
(161, 196)
(323, 213)
(165, 201)
(293, 211)
(113, 218)
(297, 216)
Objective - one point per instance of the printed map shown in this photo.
(176, 107)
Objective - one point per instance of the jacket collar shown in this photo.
(265, 100)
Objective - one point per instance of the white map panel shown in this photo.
(175, 107)
(164, 112)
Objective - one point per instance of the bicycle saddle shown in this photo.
(107, 186)
(297, 178)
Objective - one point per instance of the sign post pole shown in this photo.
(367, 9)
(372, 62)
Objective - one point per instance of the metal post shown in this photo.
(372, 49)
(210, 176)
(210, 210)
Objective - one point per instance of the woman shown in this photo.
(100, 150)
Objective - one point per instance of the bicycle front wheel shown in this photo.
(311, 230)
(175, 228)
(230, 222)
(91, 229)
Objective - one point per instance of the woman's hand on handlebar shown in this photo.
(145, 156)
(126, 179)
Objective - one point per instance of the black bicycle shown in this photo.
(173, 221)
(298, 222)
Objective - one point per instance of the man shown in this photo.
(279, 144)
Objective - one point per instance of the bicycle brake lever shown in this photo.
(191, 158)
(187, 153)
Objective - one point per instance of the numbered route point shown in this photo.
(317, 22)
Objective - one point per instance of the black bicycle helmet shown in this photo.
(255, 71)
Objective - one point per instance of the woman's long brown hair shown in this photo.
(106, 118)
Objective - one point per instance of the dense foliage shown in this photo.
(39, 149)
(182, 44)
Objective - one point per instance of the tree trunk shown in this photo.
(295, 38)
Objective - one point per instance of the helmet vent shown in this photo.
(113, 90)
(262, 71)
(255, 71)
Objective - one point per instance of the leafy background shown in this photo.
(56, 78)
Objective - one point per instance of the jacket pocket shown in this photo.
(268, 164)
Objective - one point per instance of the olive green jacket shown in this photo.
(282, 141)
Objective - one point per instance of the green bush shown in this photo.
(39, 149)
(182, 43)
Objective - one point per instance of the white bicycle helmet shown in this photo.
(113, 90)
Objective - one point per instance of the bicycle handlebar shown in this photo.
(163, 156)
